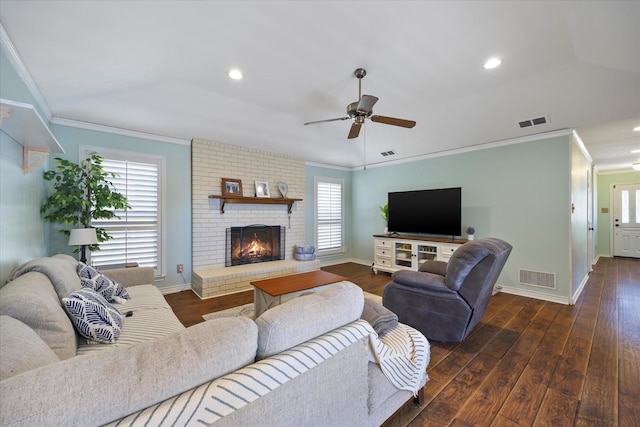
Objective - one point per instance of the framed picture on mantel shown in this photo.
(231, 187)
(262, 189)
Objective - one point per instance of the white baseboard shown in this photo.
(328, 262)
(174, 289)
(534, 294)
(576, 295)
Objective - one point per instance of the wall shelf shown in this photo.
(255, 201)
(22, 123)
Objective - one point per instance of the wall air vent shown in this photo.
(537, 278)
(533, 122)
(388, 153)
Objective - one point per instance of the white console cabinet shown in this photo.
(393, 253)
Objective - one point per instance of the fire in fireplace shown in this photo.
(253, 244)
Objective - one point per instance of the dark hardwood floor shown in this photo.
(527, 363)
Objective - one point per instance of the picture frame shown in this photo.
(231, 187)
(262, 189)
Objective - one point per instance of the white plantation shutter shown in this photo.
(329, 216)
(136, 234)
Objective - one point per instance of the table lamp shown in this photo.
(83, 237)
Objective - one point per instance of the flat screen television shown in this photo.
(436, 211)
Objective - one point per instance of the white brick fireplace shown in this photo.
(211, 161)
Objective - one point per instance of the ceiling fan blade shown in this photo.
(355, 130)
(328, 120)
(366, 103)
(393, 121)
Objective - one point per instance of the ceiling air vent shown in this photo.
(533, 122)
(388, 153)
(537, 278)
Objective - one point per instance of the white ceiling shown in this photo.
(161, 68)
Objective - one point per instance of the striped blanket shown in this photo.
(403, 355)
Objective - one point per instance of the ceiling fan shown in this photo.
(363, 109)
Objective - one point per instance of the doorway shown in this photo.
(626, 220)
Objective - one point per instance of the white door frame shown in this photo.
(612, 217)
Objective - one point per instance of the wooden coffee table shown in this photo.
(271, 292)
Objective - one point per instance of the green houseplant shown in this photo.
(384, 211)
(82, 192)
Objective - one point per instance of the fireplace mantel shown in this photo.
(256, 201)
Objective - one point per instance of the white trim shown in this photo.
(533, 294)
(23, 72)
(85, 150)
(343, 244)
(582, 147)
(477, 147)
(327, 166)
(117, 131)
(578, 292)
(174, 288)
(621, 169)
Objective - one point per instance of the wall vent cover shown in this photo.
(388, 153)
(537, 278)
(533, 122)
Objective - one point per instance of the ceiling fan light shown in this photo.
(492, 63)
(235, 74)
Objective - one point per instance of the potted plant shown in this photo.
(384, 210)
(471, 233)
(82, 192)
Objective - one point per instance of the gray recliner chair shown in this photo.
(443, 300)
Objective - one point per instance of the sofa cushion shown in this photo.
(309, 316)
(381, 319)
(111, 290)
(112, 384)
(32, 300)
(60, 269)
(93, 316)
(22, 349)
(151, 317)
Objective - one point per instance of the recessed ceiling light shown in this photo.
(235, 74)
(637, 128)
(635, 151)
(492, 63)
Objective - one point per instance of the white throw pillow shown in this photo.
(111, 290)
(93, 316)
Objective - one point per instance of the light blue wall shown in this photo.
(311, 172)
(519, 193)
(604, 183)
(22, 231)
(178, 194)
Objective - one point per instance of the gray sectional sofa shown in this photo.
(306, 362)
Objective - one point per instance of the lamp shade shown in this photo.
(83, 236)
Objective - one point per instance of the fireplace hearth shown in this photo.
(253, 244)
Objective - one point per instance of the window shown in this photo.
(137, 234)
(329, 216)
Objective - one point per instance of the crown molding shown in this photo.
(118, 131)
(477, 147)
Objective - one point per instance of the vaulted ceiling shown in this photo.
(161, 68)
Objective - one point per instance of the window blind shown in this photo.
(329, 224)
(135, 235)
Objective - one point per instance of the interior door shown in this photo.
(626, 220)
(590, 230)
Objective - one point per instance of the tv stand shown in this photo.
(393, 252)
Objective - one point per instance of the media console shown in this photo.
(393, 253)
